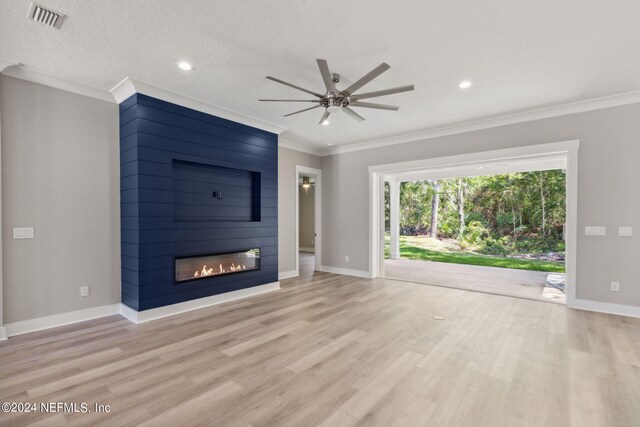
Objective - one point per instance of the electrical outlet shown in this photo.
(595, 231)
(23, 233)
(615, 286)
(625, 231)
(346, 258)
(84, 291)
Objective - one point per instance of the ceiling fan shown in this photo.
(335, 100)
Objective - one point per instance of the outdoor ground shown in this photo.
(429, 249)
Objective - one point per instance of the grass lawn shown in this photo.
(428, 249)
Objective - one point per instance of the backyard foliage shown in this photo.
(517, 213)
(425, 249)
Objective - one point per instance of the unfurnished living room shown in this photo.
(319, 213)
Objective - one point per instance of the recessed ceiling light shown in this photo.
(464, 84)
(184, 65)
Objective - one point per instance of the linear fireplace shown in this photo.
(203, 266)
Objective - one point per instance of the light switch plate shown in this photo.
(595, 231)
(625, 231)
(23, 233)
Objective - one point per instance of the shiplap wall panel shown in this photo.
(155, 136)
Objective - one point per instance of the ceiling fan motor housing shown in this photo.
(334, 102)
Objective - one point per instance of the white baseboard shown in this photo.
(606, 307)
(3, 333)
(55, 320)
(288, 274)
(307, 250)
(170, 310)
(345, 271)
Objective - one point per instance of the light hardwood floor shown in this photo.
(337, 351)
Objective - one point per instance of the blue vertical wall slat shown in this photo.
(155, 136)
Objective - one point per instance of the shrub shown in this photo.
(475, 232)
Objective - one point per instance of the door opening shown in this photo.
(535, 236)
(308, 220)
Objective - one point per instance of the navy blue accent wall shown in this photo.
(172, 159)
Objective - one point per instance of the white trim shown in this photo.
(394, 218)
(128, 87)
(542, 150)
(120, 94)
(182, 307)
(568, 148)
(300, 147)
(55, 320)
(4, 64)
(123, 90)
(317, 220)
(526, 164)
(287, 274)
(492, 122)
(25, 73)
(345, 271)
(302, 249)
(571, 221)
(605, 307)
(3, 330)
(376, 224)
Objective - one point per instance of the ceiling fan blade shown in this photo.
(294, 86)
(325, 116)
(353, 114)
(374, 105)
(382, 92)
(366, 79)
(290, 100)
(301, 111)
(326, 75)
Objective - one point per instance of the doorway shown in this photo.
(546, 157)
(308, 220)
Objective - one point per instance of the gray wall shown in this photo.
(2, 330)
(287, 188)
(307, 217)
(60, 175)
(608, 175)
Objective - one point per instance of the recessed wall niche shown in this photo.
(204, 192)
(193, 184)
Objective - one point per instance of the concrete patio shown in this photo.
(493, 280)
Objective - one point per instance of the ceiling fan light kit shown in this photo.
(335, 100)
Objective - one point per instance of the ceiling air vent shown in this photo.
(45, 16)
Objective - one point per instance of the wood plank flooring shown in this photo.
(330, 350)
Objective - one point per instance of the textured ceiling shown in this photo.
(521, 55)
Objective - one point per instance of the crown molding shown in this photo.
(301, 147)
(22, 72)
(129, 86)
(123, 90)
(527, 116)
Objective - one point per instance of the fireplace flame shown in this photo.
(206, 271)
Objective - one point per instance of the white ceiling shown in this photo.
(520, 55)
